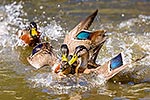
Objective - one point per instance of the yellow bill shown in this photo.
(73, 59)
(34, 32)
(64, 58)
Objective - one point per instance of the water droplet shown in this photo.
(44, 12)
(35, 10)
(58, 6)
(41, 7)
(122, 15)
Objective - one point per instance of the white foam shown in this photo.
(14, 11)
(12, 21)
(52, 31)
(8, 26)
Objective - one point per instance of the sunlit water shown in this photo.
(128, 30)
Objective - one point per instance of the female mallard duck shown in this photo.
(30, 35)
(108, 70)
(92, 40)
(66, 69)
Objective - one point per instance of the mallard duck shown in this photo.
(69, 64)
(108, 69)
(30, 35)
(92, 40)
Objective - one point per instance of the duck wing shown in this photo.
(112, 67)
(83, 25)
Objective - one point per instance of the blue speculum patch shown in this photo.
(83, 35)
(116, 61)
(37, 48)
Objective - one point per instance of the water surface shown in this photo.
(127, 24)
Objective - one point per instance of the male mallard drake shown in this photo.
(30, 35)
(92, 40)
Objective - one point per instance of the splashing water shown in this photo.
(14, 12)
(11, 20)
(128, 36)
(56, 85)
(119, 41)
(52, 31)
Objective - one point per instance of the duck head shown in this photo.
(30, 35)
(65, 68)
(64, 52)
(33, 30)
(81, 55)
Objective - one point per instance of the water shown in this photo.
(127, 24)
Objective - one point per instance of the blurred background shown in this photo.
(128, 26)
